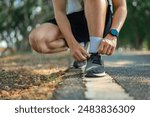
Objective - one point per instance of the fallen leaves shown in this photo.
(22, 79)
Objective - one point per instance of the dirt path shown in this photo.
(31, 76)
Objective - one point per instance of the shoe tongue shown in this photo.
(96, 58)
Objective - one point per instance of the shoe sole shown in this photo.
(81, 68)
(95, 75)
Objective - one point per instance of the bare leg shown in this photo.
(95, 12)
(47, 39)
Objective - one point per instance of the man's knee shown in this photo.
(35, 40)
(42, 37)
(40, 42)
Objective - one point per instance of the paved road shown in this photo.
(128, 78)
(131, 70)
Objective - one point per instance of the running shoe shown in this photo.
(95, 66)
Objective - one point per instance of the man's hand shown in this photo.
(78, 52)
(108, 45)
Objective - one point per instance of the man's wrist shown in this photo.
(111, 37)
(72, 43)
(114, 32)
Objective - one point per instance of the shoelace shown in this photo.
(95, 58)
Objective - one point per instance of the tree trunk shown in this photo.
(25, 46)
(148, 42)
(148, 37)
(139, 42)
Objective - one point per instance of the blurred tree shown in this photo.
(137, 27)
(18, 17)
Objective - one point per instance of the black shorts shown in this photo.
(79, 25)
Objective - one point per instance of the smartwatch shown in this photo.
(114, 32)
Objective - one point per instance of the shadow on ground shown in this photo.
(31, 76)
(132, 72)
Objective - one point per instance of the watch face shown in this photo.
(114, 32)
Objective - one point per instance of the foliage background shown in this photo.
(19, 17)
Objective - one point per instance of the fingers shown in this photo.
(110, 51)
(107, 46)
(81, 55)
(102, 45)
(85, 54)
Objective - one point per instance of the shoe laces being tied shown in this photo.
(96, 58)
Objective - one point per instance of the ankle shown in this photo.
(94, 44)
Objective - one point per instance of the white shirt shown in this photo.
(74, 6)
